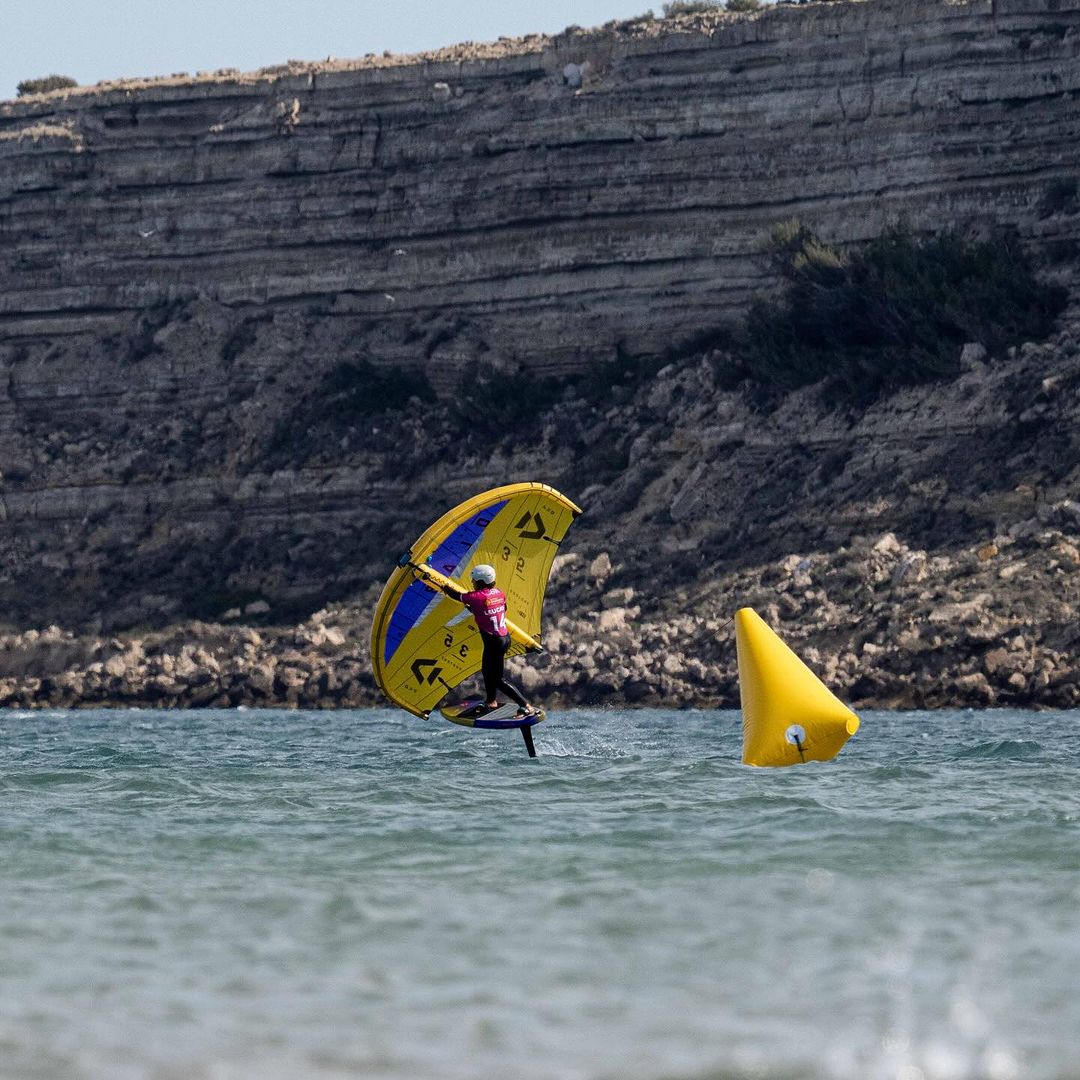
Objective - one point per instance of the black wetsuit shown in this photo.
(491, 668)
(493, 662)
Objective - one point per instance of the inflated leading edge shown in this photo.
(789, 715)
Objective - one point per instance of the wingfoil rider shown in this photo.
(487, 602)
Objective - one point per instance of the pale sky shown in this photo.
(90, 40)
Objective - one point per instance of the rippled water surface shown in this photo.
(360, 894)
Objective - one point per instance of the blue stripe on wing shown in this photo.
(448, 558)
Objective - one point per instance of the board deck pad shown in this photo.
(474, 713)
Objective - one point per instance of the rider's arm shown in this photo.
(448, 590)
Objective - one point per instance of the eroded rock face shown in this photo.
(469, 204)
(194, 272)
(921, 552)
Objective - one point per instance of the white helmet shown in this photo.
(482, 574)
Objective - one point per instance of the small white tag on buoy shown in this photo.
(796, 735)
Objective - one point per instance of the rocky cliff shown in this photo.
(922, 552)
(545, 202)
(228, 303)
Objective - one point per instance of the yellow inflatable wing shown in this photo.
(423, 644)
(789, 716)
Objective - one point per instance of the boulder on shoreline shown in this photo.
(884, 625)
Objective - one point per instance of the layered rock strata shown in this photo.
(199, 277)
(547, 204)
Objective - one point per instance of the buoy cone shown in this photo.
(789, 715)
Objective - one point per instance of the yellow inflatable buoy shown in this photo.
(789, 715)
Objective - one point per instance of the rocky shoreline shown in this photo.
(885, 625)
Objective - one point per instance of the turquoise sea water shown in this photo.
(215, 895)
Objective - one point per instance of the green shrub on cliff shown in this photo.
(895, 312)
(359, 388)
(354, 390)
(519, 398)
(1060, 196)
(44, 85)
(696, 7)
(514, 397)
(689, 7)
